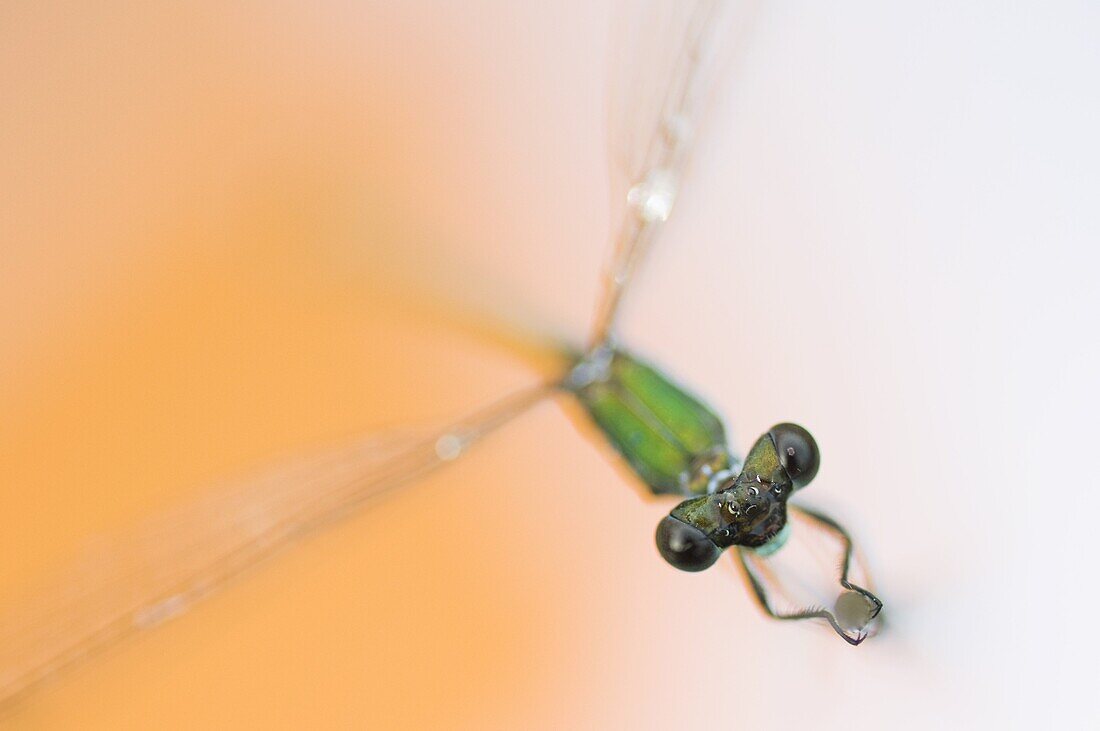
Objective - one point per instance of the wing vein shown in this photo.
(167, 564)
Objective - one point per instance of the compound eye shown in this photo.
(797, 452)
(685, 546)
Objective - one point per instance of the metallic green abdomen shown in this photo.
(665, 434)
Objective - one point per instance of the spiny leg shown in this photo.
(866, 607)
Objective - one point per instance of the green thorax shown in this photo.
(668, 437)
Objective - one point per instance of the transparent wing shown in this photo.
(666, 53)
(161, 568)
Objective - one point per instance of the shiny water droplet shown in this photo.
(653, 197)
(853, 610)
(448, 447)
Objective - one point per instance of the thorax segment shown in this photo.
(674, 442)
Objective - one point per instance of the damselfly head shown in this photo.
(810, 577)
(749, 510)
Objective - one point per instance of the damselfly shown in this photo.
(672, 442)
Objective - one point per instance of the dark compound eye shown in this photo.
(685, 546)
(797, 452)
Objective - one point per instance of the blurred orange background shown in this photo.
(231, 232)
